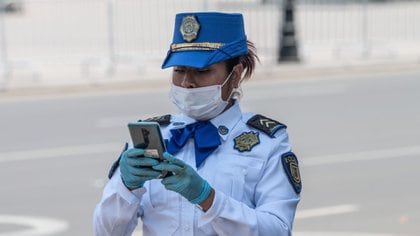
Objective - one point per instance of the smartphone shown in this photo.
(147, 136)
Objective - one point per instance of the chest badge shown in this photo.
(246, 141)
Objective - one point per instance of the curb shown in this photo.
(160, 81)
(296, 71)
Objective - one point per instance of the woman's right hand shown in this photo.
(136, 168)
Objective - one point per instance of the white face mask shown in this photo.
(202, 103)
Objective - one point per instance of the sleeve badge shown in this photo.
(291, 167)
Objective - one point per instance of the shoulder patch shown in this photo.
(162, 120)
(266, 125)
(116, 163)
(291, 167)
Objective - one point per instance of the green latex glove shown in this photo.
(136, 168)
(184, 180)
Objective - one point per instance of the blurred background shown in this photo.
(344, 75)
(80, 41)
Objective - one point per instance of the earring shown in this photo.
(237, 93)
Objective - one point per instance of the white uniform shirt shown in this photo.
(253, 195)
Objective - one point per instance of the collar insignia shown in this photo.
(246, 141)
(178, 123)
(189, 28)
(223, 130)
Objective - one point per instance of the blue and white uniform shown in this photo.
(254, 192)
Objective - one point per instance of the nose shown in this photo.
(188, 80)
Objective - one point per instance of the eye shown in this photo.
(203, 71)
(179, 70)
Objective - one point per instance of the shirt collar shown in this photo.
(225, 122)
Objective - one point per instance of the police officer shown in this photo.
(232, 173)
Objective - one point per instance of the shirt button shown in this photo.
(186, 227)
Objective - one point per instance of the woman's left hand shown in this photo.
(185, 180)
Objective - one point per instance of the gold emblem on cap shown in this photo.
(189, 28)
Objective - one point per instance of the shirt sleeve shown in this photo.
(117, 212)
(275, 203)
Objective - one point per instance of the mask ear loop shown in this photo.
(236, 93)
(227, 78)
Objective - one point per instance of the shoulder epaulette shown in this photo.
(162, 120)
(266, 125)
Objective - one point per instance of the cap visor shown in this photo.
(196, 59)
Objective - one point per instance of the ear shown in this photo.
(237, 75)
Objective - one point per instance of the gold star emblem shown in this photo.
(246, 141)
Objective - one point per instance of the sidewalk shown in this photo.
(153, 78)
(71, 49)
(328, 69)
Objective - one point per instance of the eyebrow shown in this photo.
(192, 68)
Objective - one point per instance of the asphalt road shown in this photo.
(357, 139)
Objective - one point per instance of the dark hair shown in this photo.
(248, 60)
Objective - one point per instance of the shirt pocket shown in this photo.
(160, 197)
(161, 209)
(237, 176)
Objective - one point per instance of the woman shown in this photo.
(232, 173)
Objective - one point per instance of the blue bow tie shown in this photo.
(206, 139)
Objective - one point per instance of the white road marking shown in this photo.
(302, 91)
(362, 156)
(120, 121)
(60, 152)
(326, 211)
(84, 91)
(314, 233)
(38, 226)
(99, 183)
(137, 232)
(117, 121)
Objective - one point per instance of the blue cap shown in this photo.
(205, 38)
